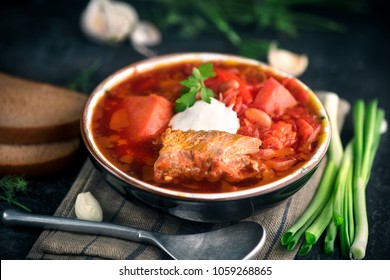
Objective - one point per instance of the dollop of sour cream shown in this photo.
(206, 116)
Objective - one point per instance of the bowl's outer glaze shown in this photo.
(221, 207)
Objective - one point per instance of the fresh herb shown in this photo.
(9, 186)
(195, 85)
(82, 82)
(232, 18)
(367, 123)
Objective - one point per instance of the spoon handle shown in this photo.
(13, 217)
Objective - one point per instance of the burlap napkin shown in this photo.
(117, 209)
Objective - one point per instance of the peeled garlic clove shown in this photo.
(287, 61)
(108, 21)
(88, 208)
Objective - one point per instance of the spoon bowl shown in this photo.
(242, 240)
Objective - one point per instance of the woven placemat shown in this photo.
(117, 209)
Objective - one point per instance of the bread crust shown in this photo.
(39, 164)
(38, 169)
(34, 106)
(37, 135)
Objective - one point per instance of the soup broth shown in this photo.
(290, 129)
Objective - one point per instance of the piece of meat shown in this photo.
(206, 155)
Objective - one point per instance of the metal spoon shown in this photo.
(238, 241)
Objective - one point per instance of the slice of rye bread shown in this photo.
(37, 159)
(32, 112)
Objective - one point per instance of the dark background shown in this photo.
(42, 40)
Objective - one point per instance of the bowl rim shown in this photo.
(150, 63)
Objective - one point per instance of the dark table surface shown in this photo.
(42, 41)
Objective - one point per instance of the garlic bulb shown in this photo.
(88, 208)
(144, 35)
(287, 61)
(108, 21)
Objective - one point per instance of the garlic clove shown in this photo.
(145, 51)
(124, 20)
(145, 34)
(287, 61)
(108, 21)
(93, 23)
(88, 208)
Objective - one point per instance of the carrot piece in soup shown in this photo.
(305, 129)
(273, 98)
(119, 119)
(142, 117)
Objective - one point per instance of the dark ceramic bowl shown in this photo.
(215, 207)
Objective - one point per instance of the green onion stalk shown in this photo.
(367, 124)
(347, 228)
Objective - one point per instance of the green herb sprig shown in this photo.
(9, 185)
(232, 18)
(83, 81)
(195, 84)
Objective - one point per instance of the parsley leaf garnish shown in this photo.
(195, 84)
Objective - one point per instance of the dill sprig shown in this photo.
(9, 186)
(82, 82)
